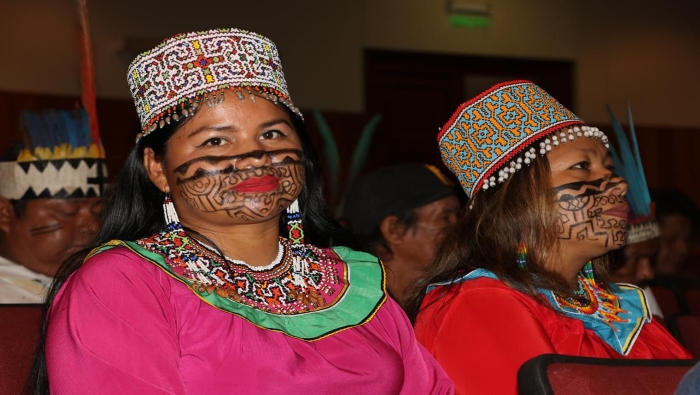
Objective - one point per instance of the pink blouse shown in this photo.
(122, 325)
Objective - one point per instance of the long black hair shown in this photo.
(133, 210)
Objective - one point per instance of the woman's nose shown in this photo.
(252, 154)
(621, 187)
(252, 159)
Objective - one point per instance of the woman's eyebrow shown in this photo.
(275, 122)
(210, 128)
(594, 152)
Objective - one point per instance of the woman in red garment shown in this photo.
(524, 272)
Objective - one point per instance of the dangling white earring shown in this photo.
(169, 211)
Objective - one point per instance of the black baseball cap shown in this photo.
(393, 190)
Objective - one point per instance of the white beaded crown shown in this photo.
(169, 81)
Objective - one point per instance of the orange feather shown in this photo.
(87, 73)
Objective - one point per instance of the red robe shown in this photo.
(482, 331)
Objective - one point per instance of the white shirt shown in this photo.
(21, 285)
(654, 307)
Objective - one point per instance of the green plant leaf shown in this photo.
(362, 148)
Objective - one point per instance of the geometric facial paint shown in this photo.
(593, 211)
(213, 183)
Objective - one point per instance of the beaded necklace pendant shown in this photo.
(593, 300)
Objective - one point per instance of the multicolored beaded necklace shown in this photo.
(592, 299)
(303, 278)
(601, 310)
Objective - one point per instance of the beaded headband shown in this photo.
(62, 160)
(169, 81)
(642, 223)
(487, 134)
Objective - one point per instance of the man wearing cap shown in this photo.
(49, 201)
(400, 214)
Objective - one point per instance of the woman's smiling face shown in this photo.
(233, 163)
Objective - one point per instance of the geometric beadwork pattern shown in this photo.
(61, 158)
(190, 66)
(272, 290)
(487, 131)
(53, 179)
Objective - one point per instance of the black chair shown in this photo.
(686, 329)
(692, 298)
(553, 374)
(666, 299)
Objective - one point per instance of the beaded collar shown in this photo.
(592, 300)
(309, 294)
(616, 314)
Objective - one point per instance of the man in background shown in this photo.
(674, 267)
(49, 201)
(400, 214)
(678, 219)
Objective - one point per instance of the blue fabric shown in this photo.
(690, 385)
(618, 335)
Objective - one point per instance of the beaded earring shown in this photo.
(300, 265)
(587, 272)
(522, 255)
(296, 231)
(171, 217)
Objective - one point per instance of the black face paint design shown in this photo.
(212, 183)
(582, 206)
(215, 160)
(45, 229)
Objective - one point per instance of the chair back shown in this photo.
(686, 328)
(20, 327)
(692, 298)
(553, 374)
(666, 299)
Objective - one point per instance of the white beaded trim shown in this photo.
(278, 259)
(545, 147)
(641, 232)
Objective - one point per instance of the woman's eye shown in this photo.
(581, 166)
(271, 134)
(214, 141)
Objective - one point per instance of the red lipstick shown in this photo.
(621, 211)
(257, 185)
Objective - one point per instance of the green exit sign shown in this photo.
(470, 21)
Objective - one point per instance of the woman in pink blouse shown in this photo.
(214, 272)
